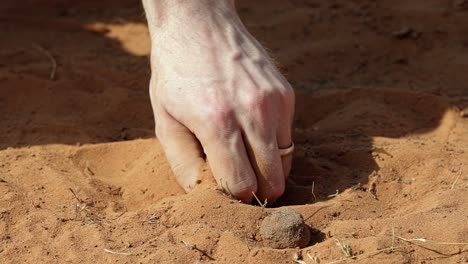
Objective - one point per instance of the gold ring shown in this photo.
(286, 151)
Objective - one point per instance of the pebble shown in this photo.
(285, 229)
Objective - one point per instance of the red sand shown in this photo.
(382, 107)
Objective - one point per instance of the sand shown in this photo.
(381, 132)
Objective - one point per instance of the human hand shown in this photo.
(215, 91)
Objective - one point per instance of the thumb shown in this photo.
(182, 149)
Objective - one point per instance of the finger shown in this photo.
(266, 161)
(285, 141)
(182, 149)
(283, 134)
(228, 160)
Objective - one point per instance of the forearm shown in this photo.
(209, 28)
(178, 15)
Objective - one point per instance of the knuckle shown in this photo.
(288, 96)
(257, 99)
(220, 118)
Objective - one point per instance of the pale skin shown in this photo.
(216, 94)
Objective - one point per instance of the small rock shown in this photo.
(285, 229)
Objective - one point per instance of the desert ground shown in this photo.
(380, 170)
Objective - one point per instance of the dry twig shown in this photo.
(456, 180)
(313, 194)
(315, 259)
(151, 219)
(194, 247)
(344, 247)
(430, 242)
(297, 257)
(81, 206)
(393, 248)
(365, 255)
(264, 204)
(51, 58)
(117, 253)
(335, 194)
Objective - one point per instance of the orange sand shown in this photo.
(382, 107)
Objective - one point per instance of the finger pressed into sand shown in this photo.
(183, 150)
(284, 134)
(229, 162)
(266, 162)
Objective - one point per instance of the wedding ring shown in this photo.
(286, 151)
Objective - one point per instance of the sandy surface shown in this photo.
(381, 132)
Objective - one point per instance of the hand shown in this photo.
(215, 91)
